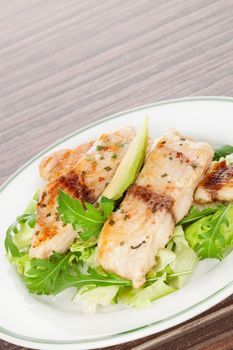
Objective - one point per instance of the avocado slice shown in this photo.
(130, 165)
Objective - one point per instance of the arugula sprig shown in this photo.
(30, 220)
(211, 236)
(62, 271)
(93, 277)
(194, 214)
(87, 220)
(223, 152)
(212, 241)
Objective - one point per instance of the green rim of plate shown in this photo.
(116, 335)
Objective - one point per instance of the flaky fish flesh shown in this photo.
(85, 181)
(160, 198)
(60, 162)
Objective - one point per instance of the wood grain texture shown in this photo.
(64, 64)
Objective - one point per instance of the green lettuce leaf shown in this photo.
(19, 234)
(88, 299)
(185, 260)
(23, 238)
(228, 158)
(174, 265)
(163, 259)
(142, 297)
(22, 263)
(86, 249)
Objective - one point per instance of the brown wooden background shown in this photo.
(66, 63)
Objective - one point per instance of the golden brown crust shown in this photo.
(74, 184)
(46, 232)
(47, 216)
(155, 201)
(218, 176)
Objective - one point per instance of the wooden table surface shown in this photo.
(64, 64)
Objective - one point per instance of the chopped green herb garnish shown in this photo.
(120, 145)
(99, 147)
(89, 157)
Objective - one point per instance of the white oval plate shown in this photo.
(53, 323)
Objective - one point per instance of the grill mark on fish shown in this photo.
(74, 184)
(71, 183)
(218, 177)
(155, 201)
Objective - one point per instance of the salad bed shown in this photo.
(203, 233)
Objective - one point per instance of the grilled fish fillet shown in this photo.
(60, 162)
(217, 185)
(160, 197)
(85, 181)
